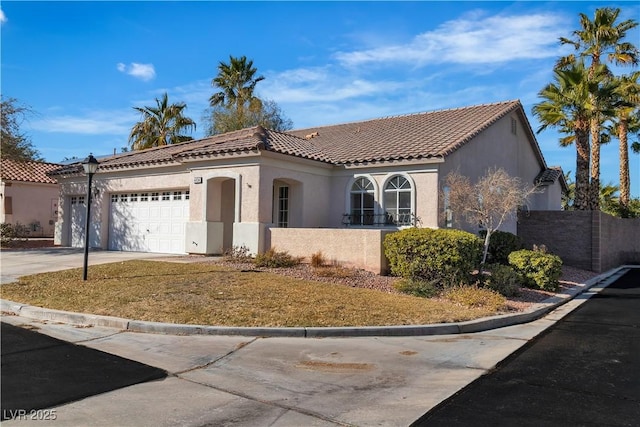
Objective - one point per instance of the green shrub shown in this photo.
(475, 297)
(417, 287)
(537, 269)
(444, 256)
(501, 244)
(503, 279)
(12, 232)
(276, 259)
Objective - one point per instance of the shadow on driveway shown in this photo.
(39, 371)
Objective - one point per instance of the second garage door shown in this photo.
(149, 222)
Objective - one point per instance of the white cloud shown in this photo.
(322, 84)
(143, 72)
(93, 123)
(3, 17)
(473, 39)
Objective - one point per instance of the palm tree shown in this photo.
(565, 106)
(237, 81)
(595, 39)
(626, 121)
(160, 125)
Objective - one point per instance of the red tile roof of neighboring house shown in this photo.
(406, 137)
(31, 171)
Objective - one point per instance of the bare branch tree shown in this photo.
(490, 202)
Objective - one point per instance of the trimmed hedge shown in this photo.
(501, 244)
(444, 257)
(537, 269)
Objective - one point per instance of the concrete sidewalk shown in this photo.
(251, 381)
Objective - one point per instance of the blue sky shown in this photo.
(82, 66)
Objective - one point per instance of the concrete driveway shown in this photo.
(278, 381)
(21, 262)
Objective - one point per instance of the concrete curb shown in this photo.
(588, 289)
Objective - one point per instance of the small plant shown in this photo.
(418, 287)
(318, 260)
(276, 259)
(502, 279)
(475, 297)
(537, 269)
(237, 254)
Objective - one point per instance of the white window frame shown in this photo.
(376, 197)
(412, 185)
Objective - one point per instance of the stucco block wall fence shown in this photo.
(589, 240)
(354, 248)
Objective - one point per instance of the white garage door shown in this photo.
(78, 212)
(149, 222)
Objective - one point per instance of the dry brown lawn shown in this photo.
(210, 294)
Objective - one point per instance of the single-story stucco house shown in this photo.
(29, 196)
(337, 189)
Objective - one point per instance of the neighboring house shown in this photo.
(29, 196)
(338, 189)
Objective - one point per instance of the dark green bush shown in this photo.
(503, 279)
(446, 257)
(276, 259)
(12, 232)
(501, 244)
(537, 269)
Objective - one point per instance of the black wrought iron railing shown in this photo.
(379, 220)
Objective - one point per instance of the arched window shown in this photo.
(397, 201)
(362, 202)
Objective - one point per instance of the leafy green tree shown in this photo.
(160, 125)
(626, 121)
(16, 145)
(237, 81)
(235, 106)
(221, 120)
(599, 41)
(565, 105)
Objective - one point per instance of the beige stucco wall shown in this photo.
(423, 177)
(498, 147)
(310, 194)
(31, 203)
(361, 248)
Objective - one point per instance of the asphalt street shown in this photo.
(583, 371)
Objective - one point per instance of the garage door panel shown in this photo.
(147, 224)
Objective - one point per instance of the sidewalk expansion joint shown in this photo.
(275, 404)
(213, 362)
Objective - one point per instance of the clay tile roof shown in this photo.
(412, 136)
(30, 171)
(548, 176)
